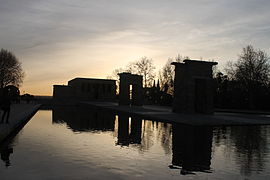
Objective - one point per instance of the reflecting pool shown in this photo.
(83, 143)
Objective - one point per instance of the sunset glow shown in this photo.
(59, 40)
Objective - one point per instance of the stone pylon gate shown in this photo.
(193, 87)
(131, 89)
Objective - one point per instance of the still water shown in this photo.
(80, 143)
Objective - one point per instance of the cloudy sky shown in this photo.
(57, 40)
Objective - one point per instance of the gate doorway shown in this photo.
(131, 89)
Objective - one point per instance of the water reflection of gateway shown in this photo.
(81, 119)
(85, 119)
(191, 147)
(143, 133)
(129, 130)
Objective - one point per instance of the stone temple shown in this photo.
(85, 89)
(193, 87)
(130, 89)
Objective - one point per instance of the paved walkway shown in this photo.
(164, 114)
(19, 114)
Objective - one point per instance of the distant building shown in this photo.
(86, 89)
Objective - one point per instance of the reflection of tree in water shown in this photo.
(154, 132)
(220, 135)
(147, 135)
(221, 140)
(165, 135)
(249, 145)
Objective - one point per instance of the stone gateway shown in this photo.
(193, 87)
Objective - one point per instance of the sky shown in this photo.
(58, 40)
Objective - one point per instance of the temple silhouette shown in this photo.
(193, 89)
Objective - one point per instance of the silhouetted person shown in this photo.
(5, 153)
(6, 108)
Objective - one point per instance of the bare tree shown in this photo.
(252, 70)
(166, 74)
(166, 77)
(144, 67)
(115, 73)
(179, 58)
(11, 72)
(252, 66)
(115, 76)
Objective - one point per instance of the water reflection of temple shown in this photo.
(81, 119)
(129, 130)
(192, 148)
